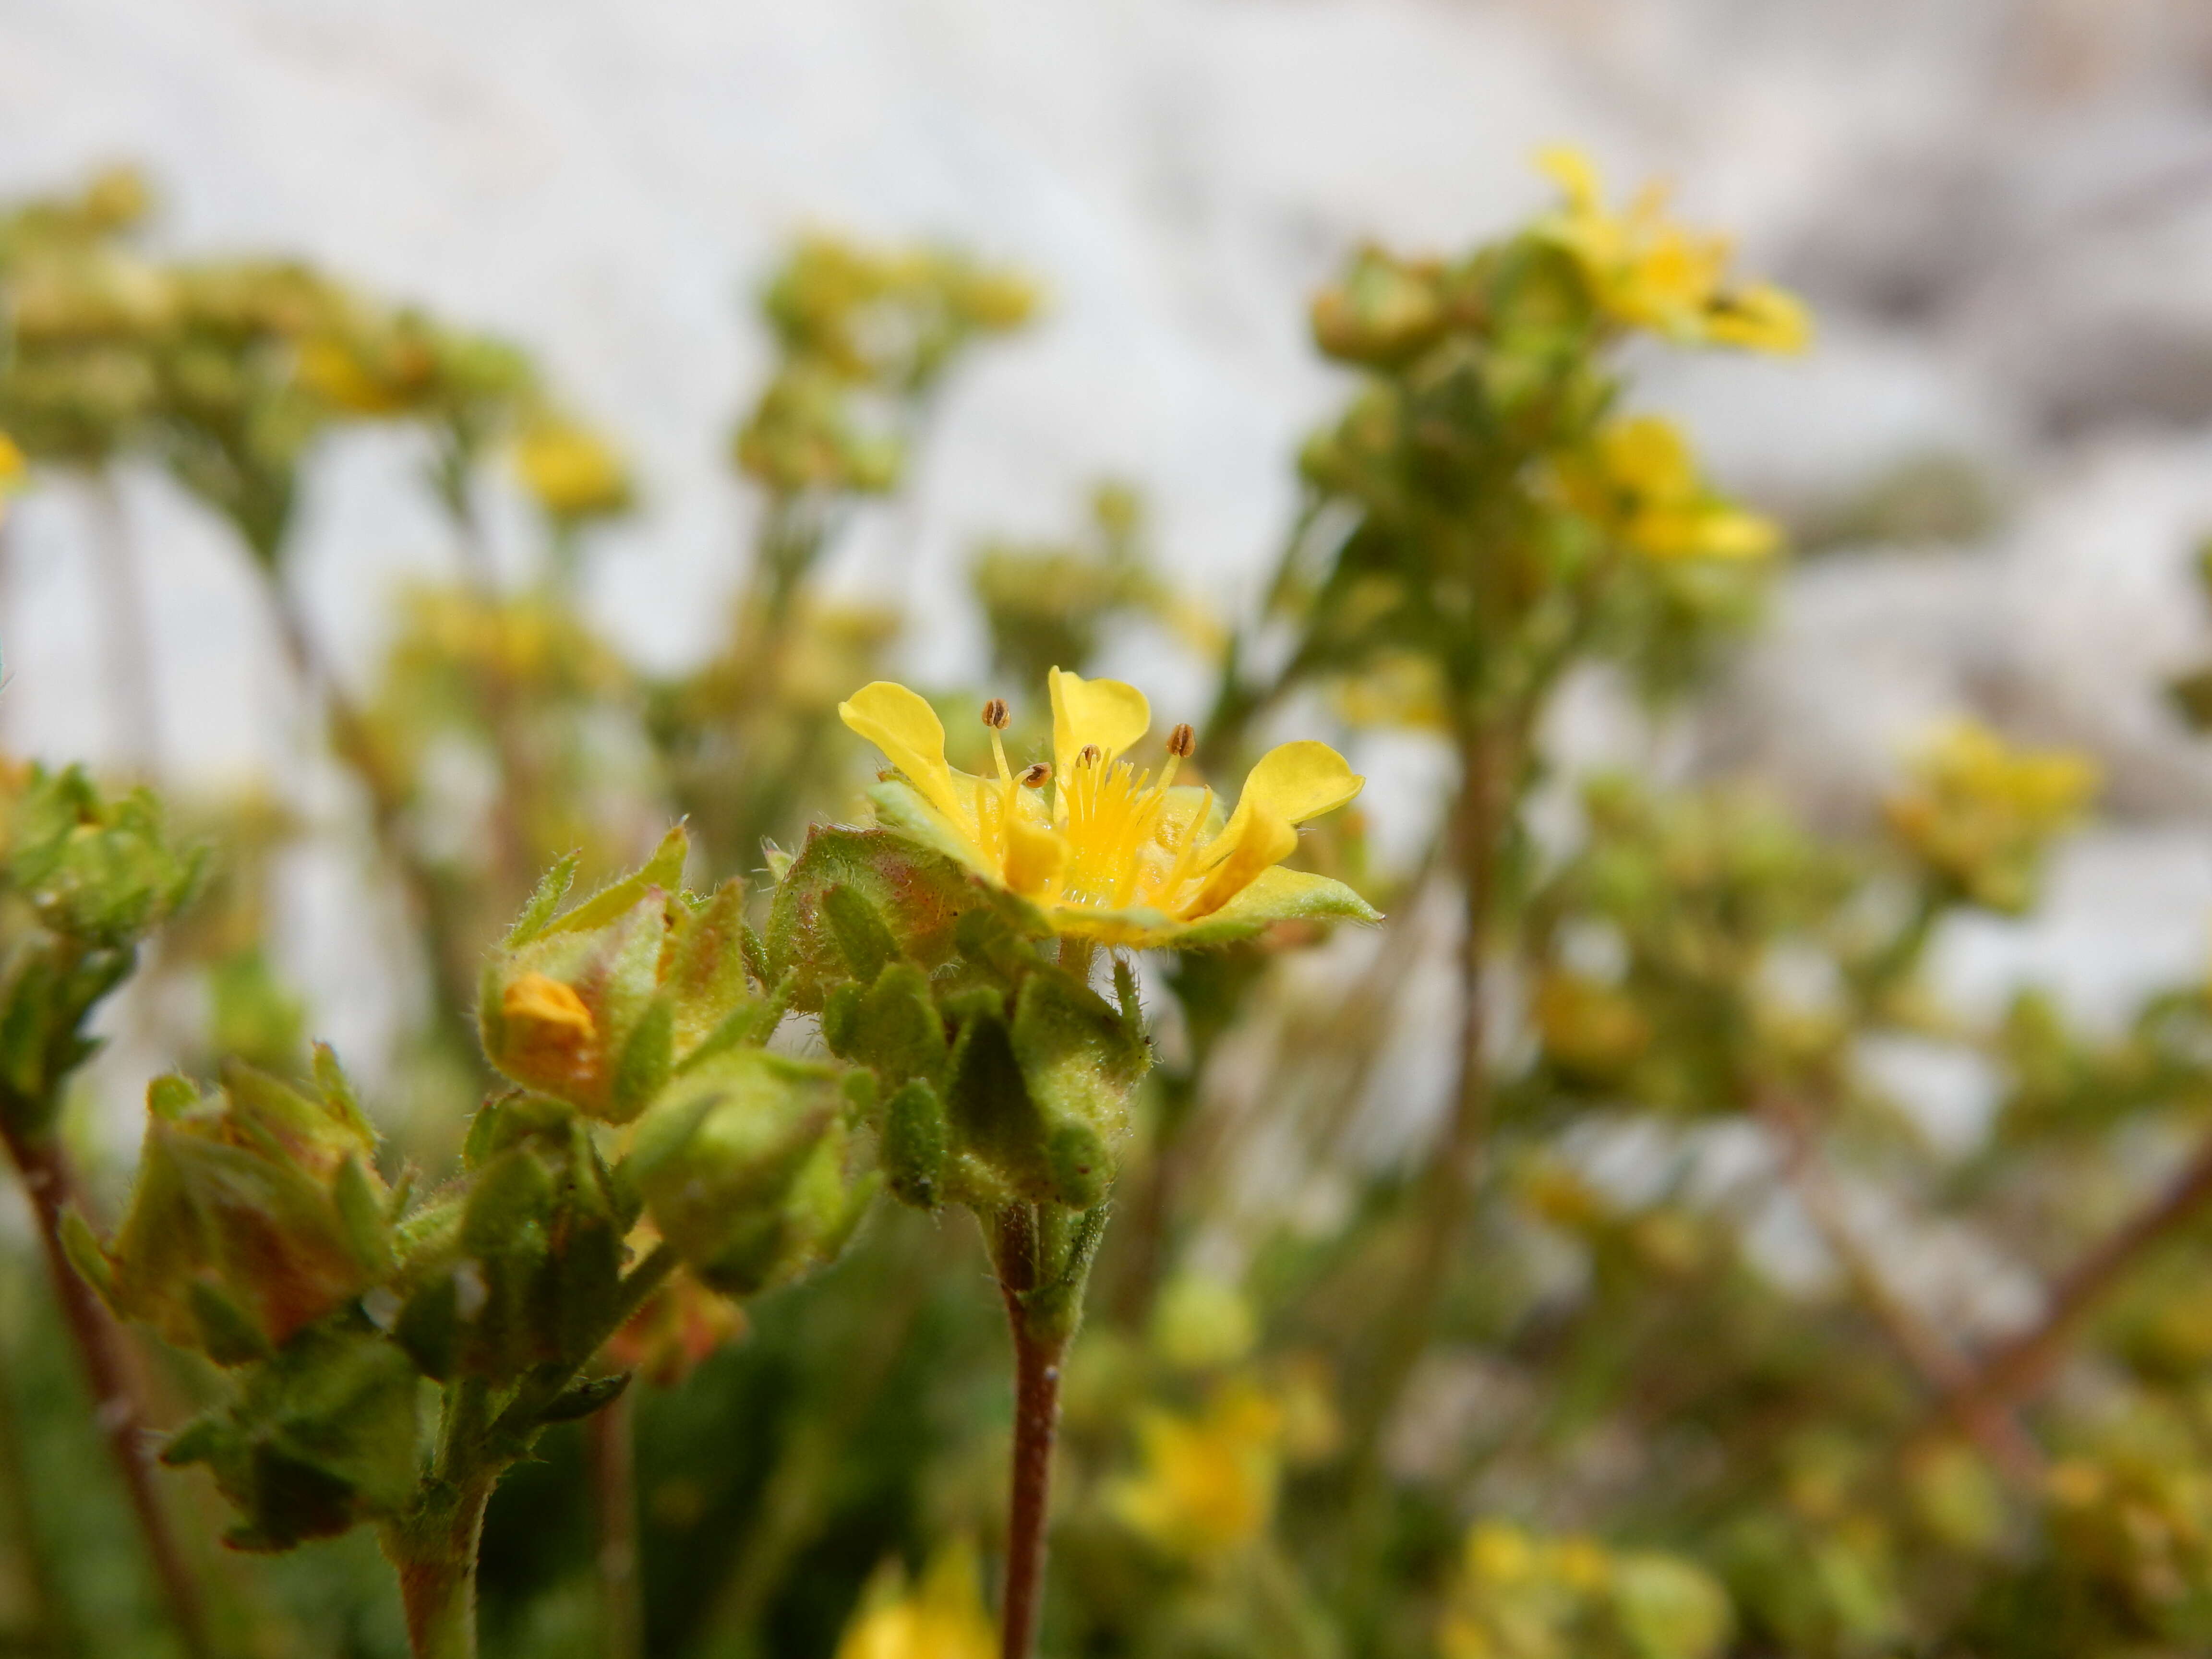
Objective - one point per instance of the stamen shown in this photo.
(1179, 871)
(1037, 775)
(995, 716)
(1181, 742)
(1090, 756)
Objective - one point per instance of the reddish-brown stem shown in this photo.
(1037, 1358)
(609, 1445)
(99, 1340)
(1940, 1367)
(2017, 1370)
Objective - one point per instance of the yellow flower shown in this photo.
(337, 373)
(1640, 482)
(943, 1618)
(1208, 1485)
(573, 473)
(1097, 848)
(1646, 272)
(1980, 811)
(13, 467)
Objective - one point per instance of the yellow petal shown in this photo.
(906, 728)
(1732, 533)
(1651, 457)
(1294, 782)
(1761, 317)
(546, 1005)
(1263, 838)
(1035, 855)
(1573, 172)
(1105, 713)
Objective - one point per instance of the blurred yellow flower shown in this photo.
(1646, 272)
(1521, 1596)
(571, 470)
(337, 373)
(1640, 482)
(1208, 1484)
(942, 1617)
(1980, 812)
(13, 470)
(1113, 856)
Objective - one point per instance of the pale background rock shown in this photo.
(2003, 208)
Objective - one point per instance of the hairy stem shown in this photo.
(433, 1552)
(116, 1406)
(1037, 1356)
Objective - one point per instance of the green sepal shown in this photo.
(227, 1333)
(81, 1246)
(428, 1327)
(1279, 895)
(920, 894)
(361, 1212)
(552, 887)
(646, 1060)
(755, 952)
(893, 1027)
(322, 1436)
(1079, 1062)
(914, 1141)
(663, 871)
(747, 1027)
(862, 936)
(743, 1165)
(582, 1399)
(990, 1111)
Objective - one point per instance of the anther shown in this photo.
(1090, 756)
(1036, 777)
(1182, 741)
(995, 715)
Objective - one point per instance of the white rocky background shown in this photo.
(2002, 208)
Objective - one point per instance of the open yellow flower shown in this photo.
(1098, 849)
(1640, 482)
(1646, 272)
(941, 1618)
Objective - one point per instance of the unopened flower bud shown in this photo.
(744, 1166)
(257, 1212)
